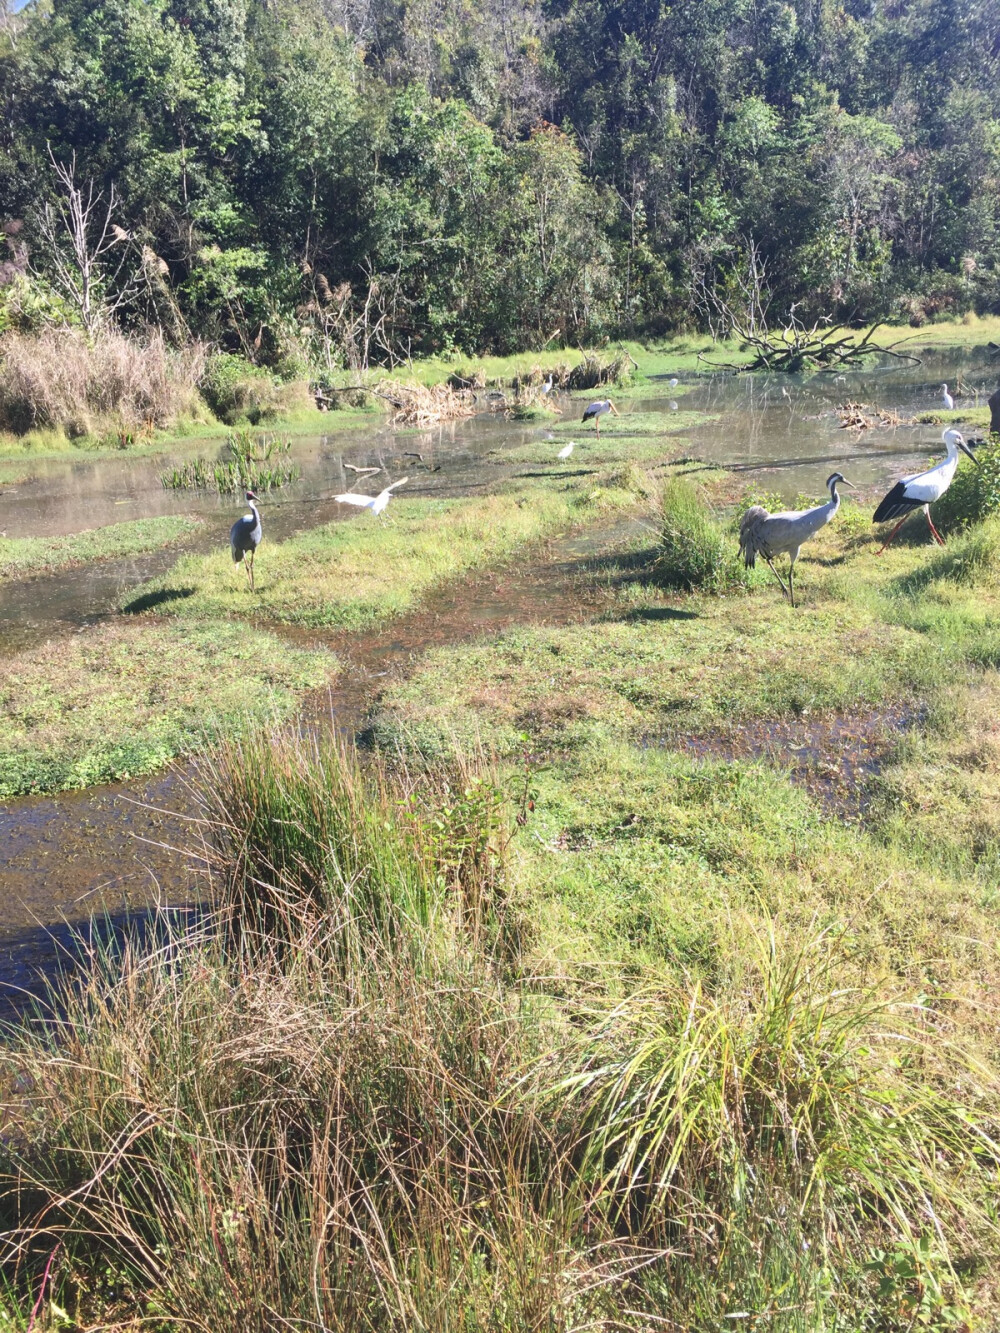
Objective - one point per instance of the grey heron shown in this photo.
(921, 490)
(245, 535)
(595, 410)
(947, 399)
(376, 503)
(769, 535)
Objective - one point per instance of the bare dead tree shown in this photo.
(86, 250)
(356, 330)
(741, 310)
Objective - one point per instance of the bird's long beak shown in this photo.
(966, 450)
(612, 406)
(845, 482)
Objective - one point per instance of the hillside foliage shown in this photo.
(339, 182)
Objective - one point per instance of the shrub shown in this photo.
(58, 379)
(238, 391)
(974, 494)
(697, 551)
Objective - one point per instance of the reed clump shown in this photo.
(697, 552)
(59, 379)
(256, 463)
(336, 1104)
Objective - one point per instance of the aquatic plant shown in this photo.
(257, 463)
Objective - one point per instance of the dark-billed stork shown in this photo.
(921, 490)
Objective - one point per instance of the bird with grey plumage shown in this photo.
(245, 535)
(770, 535)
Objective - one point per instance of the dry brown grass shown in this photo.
(417, 405)
(59, 380)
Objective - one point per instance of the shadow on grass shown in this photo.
(151, 600)
(660, 613)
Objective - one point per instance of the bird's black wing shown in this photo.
(896, 504)
(587, 415)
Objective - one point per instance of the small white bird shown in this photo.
(567, 450)
(768, 535)
(547, 386)
(376, 503)
(673, 404)
(947, 399)
(594, 411)
(674, 382)
(921, 490)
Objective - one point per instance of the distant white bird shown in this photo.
(921, 490)
(947, 399)
(547, 386)
(565, 453)
(769, 535)
(673, 404)
(595, 410)
(376, 503)
(245, 535)
(674, 382)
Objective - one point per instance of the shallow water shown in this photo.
(113, 850)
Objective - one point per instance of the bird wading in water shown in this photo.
(947, 399)
(769, 535)
(245, 535)
(921, 490)
(595, 410)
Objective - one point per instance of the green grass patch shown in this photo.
(122, 700)
(37, 555)
(357, 572)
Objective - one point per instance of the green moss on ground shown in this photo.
(34, 555)
(123, 699)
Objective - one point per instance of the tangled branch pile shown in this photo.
(866, 416)
(416, 405)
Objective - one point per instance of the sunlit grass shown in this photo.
(121, 700)
(34, 555)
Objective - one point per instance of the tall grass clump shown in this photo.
(792, 1130)
(257, 463)
(697, 552)
(237, 391)
(974, 494)
(58, 379)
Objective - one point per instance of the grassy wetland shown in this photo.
(636, 970)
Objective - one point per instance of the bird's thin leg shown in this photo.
(250, 569)
(937, 536)
(791, 586)
(777, 576)
(597, 423)
(892, 534)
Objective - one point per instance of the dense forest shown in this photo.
(339, 180)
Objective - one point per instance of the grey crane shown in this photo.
(245, 535)
(769, 535)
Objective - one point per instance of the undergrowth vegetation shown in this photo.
(696, 548)
(371, 1109)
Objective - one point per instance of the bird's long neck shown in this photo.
(834, 496)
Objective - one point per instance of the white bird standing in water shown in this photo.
(376, 503)
(769, 535)
(595, 410)
(245, 535)
(921, 490)
(547, 386)
(947, 399)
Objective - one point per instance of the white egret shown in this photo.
(674, 382)
(594, 411)
(567, 450)
(376, 503)
(547, 386)
(947, 399)
(921, 490)
(769, 535)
